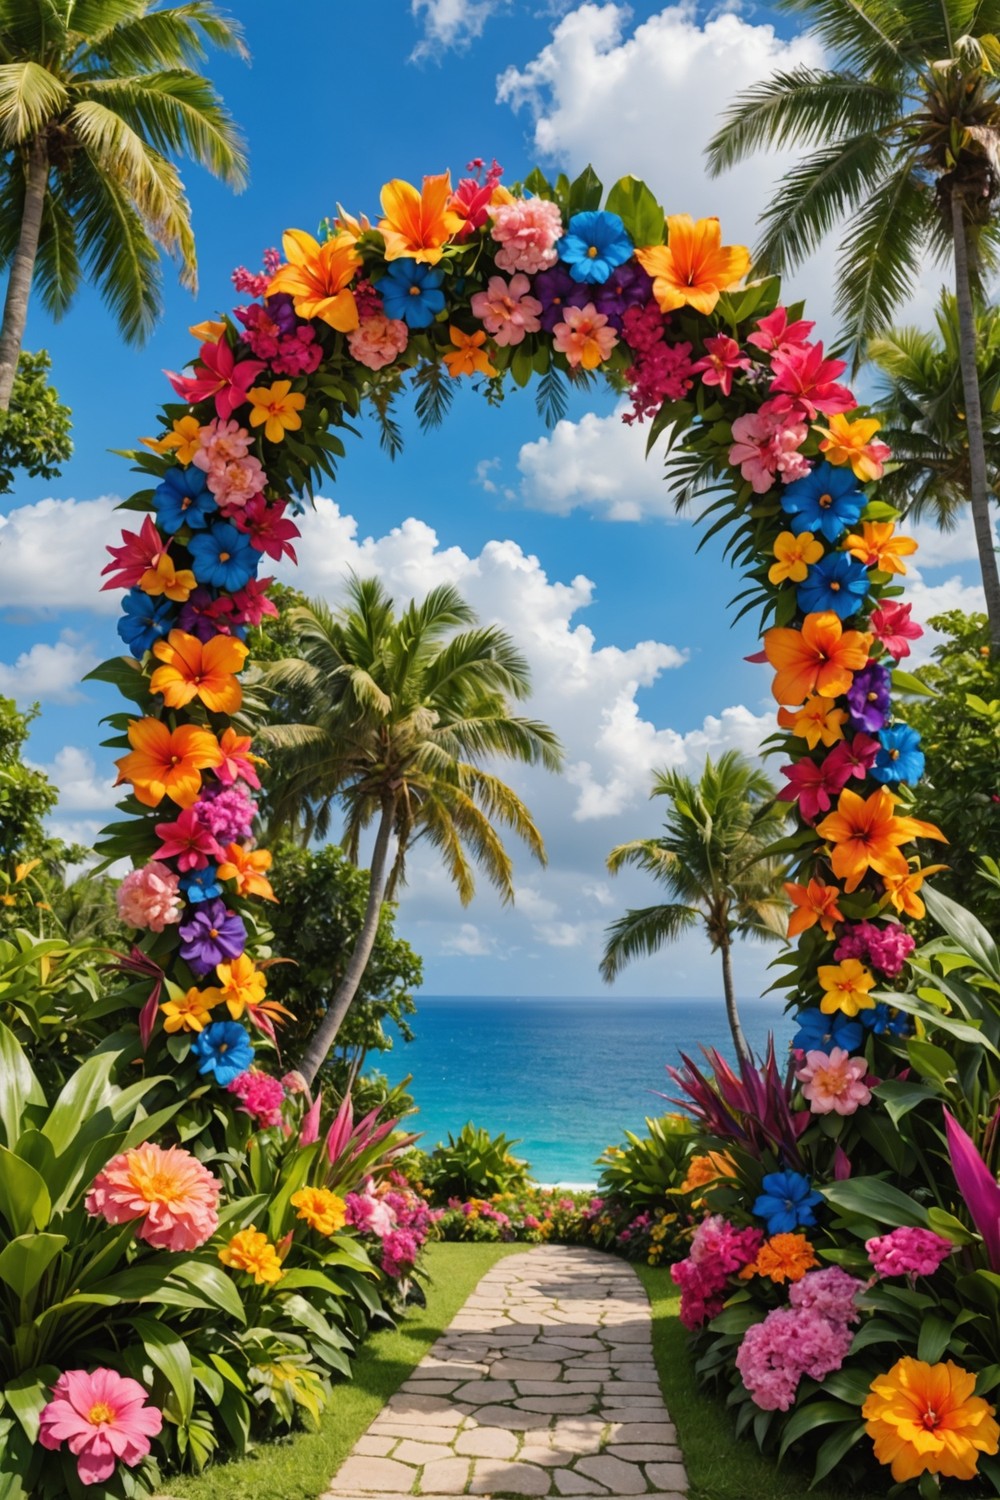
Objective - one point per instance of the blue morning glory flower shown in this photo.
(223, 557)
(201, 885)
(184, 499)
(145, 620)
(900, 758)
(787, 1201)
(838, 582)
(595, 243)
(224, 1050)
(824, 501)
(412, 291)
(820, 1033)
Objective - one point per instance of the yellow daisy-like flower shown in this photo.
(846, 987)
(181, 440)
(252, 1251)
(925, 1419)
(191, 1012)
(794, 554)
(276, 408)
(241, 984)
(321, 1209)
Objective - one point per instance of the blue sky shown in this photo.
(568, 539)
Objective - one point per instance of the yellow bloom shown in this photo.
(694, 267)
(866, 835)
(924, 1418)
(418, 224)
(467, 355)
(191, 1012)
(252, 1251)
(707, 1168)
(276, 408)
(903, 890)
(794, 554)
(847, 442)
(846, 987)
(181, 440)
(321, 1209)
(817, 721)
(209, 331)
(241, 984)
(165, 578)
(316, 278)
(879, 547)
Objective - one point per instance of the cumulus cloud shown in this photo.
(49, 673)
(76, 531)
(469, 941)
(81, 787)
(597, 464)
(450, 24)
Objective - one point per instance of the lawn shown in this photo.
(301, 1467)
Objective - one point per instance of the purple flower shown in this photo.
(627, 286)
(227, 812)
(195, 617)
(211, 935)
(556, 290)
(868, 698)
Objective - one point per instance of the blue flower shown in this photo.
(223, 1049)
(786, 1203)
(838, 582)
(820, 1033)
(145, 620)
(412, 291)
(223, 557)
(184, 499)
(825, 500)
(201, 885)
(593, 245)
(900, 758)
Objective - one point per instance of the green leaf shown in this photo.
(905, 682)
(171, 1356)
(836, 1447)
(813, 1414)
(899, 1097)
(28, 1393)
(935, 1336)
(586, 192)
(19, 1086)
(966, 930)
(24, 1261)
(873, 1198)
(638, 210)
(24, 1198)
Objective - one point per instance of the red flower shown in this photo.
(806, 382)
(267, 528)
(854, 758)
(813, 786)
(220, 376)
(893, 628)
(188, 841)
(130, 562)
(251, 602)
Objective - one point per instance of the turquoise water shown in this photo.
(565, 1076)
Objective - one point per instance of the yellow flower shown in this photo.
(794, 554)
(694, 267)
(252, 1251)
(903, 890)
(846, 442)
(879, 547)
(708, 1168)
(241, 985)
(467, 356)
(165, 578)
(209, 331)
(321, 1209)
(418, 224)
(190, 1012)
(846, 985)
(181, 440)
(276, 408)
(924, 1418)
(316, 278)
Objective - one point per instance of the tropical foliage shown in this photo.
(474, 1164)
(35, 431)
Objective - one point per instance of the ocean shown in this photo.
(566, 1077)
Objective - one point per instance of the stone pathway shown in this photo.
(543, 1385)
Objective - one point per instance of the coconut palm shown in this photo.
(401, 712)
(96, 96)
(712, 861)
(901, 133)
(920, 399)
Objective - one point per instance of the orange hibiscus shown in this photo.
(878, 546)
(866, 835)
(467, 355)
(694, 267)
(418, 224)
(820, 658)
(813, 903)
(199, 670)
(246, 867)
(167, 762)
(316, 278)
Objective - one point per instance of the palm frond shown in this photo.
(176, 111)
(880, 259)
(641, 932)
(117, 251)
(814, 196)
(30, 96)
(803, 107)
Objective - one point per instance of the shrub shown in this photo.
(474, 1164)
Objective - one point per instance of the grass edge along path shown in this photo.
(720, 1466)
(301, 1467)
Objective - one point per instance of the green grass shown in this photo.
(720, 1466)
(301, 1467)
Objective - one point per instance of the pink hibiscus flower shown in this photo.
(104, 1419)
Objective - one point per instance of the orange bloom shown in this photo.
(694, 267)
(794, 554)
(165, 578)
(182, 440)
(925, 1419)
(846, 987)
(167, 762)
(316, 278)
(276, 408)
(847, 442)
(817, 721)
(878, 547)
(821, 658)
(209, 331)
(902, 890)
(349, 227)
(189, 1012)
(866, 835)
(322, 1210)
(241, 986)
(246, 867)
(709, 1167)
(784, 1257)
(467, 356)
(813, 903)
(418, 224)
(196, 670)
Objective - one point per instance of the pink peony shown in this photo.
(103, 1417)
(507, 310)
(526, 232)
(172, 1195)
(790, 1342)
(893, 628)
(399, 1252)
(766, 444)
(236, 482)
(831, 1292)
(226, 812)
(718, 1249)
(220, 443)
(150, 897)
(261, 1096)
(834, 1083)
(377, 340)
(908, 1252)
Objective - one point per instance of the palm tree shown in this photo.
(712, 859)
(95, 96)
(902, 132)
(922, 406)
(402, 709)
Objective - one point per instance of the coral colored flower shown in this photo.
(817, 722)
(193, 670)
(595, 243)
(164, 577)
(220, 443)
(774, 334)
(813, 903)
(507, 310)
(787, 1201)
(170, 1196)
(845, 986)
(103, 1418)
(467, 355)
(211, 935)
(879, 547)
(903, 888)
(693, 268)
(706, 1168)
(188, 841)
(820, 658)
(246, 867)
(191, 1011)
(892, 627)
(418, 224)
(182, 440)
(316, 278)
(321, 1209)
(224, 1050)
(526, 231)
(241, 985)
(237, 763)
(149, 897)
(377, 340)
(908, 1252)
(167, 762)
(806, 381)
(139, 552)
(784, 1257)
(833, 1082)
(252, 1251)
(866, 835)
(276, 408)
(585, 337)
(235, 483)
(765, 445)
(924, 1418)
(836, 582)
(721, 362)
(217, 375)
(846, 442)
(823, 501)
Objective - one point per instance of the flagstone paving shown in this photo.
(544, 1384)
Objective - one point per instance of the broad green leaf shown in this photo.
(905, 682)
(27, 1393)
(19, 1085)
(85, 1091)
(872, 1198)
(638, 210)
(24, 1261)
(967, 931)
(585, 193)
(171, 1356)
(935, 1336)
(900, 1096)
(24, 1198)
(814, 1414)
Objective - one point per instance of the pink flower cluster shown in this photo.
(104, 1419)
(527, 232)
(660, 371)
(150, 897)
(507, 310)
(814, 785)
(810, 1337)
(718, 1249)
(884, 948)
(260, 1095)
(766, 445)
(255, 283)
(397, 1216)
(289, 351)
(377, 340)
(226, 812)
(400, 1248)
(908, 1252)
(233, 474)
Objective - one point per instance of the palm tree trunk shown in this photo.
(325, 1034)
(979, 496)
(22, 269)
(732, 1014)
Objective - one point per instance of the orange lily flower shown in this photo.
(822, 657)
(879, 547)
(164, 577)
(813, 903)
(276, 408)
(182, 440)
(866, 835)
(468, 357)
(196, 670)
(242, 985)
(694, 267)
(316, 278)
(208, 332)
(817, 721)
(902, 890)
(847, 442)
(167, 762)
(350, 226)
(246, 867)
(846, 987)
(418, 224)
(794, 554)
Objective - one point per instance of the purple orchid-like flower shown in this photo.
(868, 698)
(211, 935)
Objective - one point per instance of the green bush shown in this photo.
(474, 1164)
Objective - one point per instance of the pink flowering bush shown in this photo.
(260, 1096)
(718, 1249)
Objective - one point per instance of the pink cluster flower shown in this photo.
(472, 195)
(400, 1249)
(527, 232)
(255, 283)
(833, 1082)
(721, 362)
(368, 1213)
(718, 1249)
(831, 1292)
(104, 1419)
(227, 812)
(233, 474)
(893, 628)
(766, 445)
(377, 340)
(274, 334)
(789, 1343)
(150, 897)
(908, 1252)
(507, 310)
(260, 1095)
(884, 948)
(661, 371)
(367, 299)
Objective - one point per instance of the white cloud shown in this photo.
(598, 463)
(49, 673)
(535, 905)
(469, 941)
(81, 788)
(563, 934)
(52, 553)
(450, 23)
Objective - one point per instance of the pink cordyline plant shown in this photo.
(751, 1108)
